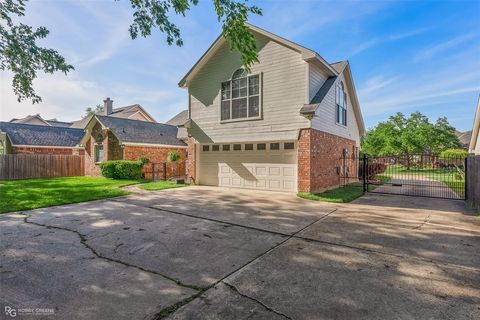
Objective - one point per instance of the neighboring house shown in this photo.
(179, 120)
(475, 139)
(112, 138)
(19, 138)
(38, 120)
(464, 138)
(283, 126)
(133, 112)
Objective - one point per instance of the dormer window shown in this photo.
(240, 97)
(341, 104)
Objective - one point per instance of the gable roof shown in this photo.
(127, 111)
(38, 135)
(308, 110)
(120, 112)
(55, 123)
(140, 132)
(307, 54)
(179, 120)
(29, 118)
(475, 129)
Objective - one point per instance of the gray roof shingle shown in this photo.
(135, 131)
(322, 92)
(34, 135)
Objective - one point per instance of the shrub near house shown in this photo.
(123, 169)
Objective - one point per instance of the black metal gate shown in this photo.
(421, 175)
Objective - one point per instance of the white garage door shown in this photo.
(266, 166)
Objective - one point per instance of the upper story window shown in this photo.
(341, 104)
(2, 147)
(240, 96)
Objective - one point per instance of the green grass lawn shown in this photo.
(160, 185)
(28, 194)
(339, 195)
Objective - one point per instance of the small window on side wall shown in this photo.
(261, 146)
(226, 147)
(215, 147)
(275, 146)
(249, 146)
(289, 146)
(99, 153)
(237, 147)
(206, 148)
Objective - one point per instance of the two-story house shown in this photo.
(282, 126)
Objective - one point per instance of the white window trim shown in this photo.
(260, 100)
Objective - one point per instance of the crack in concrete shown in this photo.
(426, 220)
(235, 289)
(171, 309)
(294, 235)
(83, 241)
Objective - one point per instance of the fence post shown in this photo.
(465, 183)
(164, 171)
(364, 173)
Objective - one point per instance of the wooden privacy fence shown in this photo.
(473, 181)
(26, 166)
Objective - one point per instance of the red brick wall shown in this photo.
(38, 150)
(319, 156)
(157, 155)
(191, 160)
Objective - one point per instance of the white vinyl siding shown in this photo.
(316, 79)
(325, 116)
(283, 92)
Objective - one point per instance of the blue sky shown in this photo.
(405, 55)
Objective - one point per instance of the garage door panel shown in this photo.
(288, 172)
(261, 183)
(274, 184)
(274, 171)
(288, 185)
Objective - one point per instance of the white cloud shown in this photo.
(376, 83)
(430, 52)
(64, 98)
(407, 34)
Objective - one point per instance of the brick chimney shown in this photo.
(107, 107)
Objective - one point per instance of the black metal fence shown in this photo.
(422, 175)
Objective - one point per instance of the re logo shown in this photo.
(9, 311)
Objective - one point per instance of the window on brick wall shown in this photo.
(99, 155)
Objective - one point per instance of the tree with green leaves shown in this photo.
(91, 111)
(21, 54)
(408, 136)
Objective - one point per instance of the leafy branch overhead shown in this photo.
(20, 53)
(232, 14)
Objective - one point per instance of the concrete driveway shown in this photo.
(211, 253)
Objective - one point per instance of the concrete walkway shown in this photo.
(211, 253)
